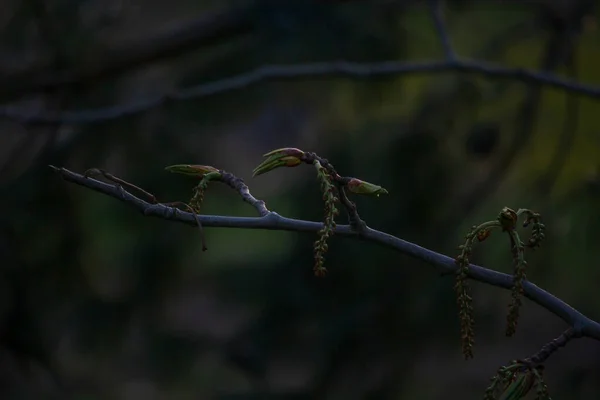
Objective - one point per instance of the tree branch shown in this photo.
(551, 347)
(298, 71)
(435, 7)
(238, 184)
(581, 324)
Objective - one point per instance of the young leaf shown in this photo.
(284, 157)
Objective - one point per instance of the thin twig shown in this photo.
(435, 7)
(550, 348)
(94, 172)
(581, 324)
(302, 71)
(122, 183)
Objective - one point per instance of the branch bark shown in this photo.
(581, 324)
(302, 71)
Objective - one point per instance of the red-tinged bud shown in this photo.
(361, 187)
(291, 161)
(285, 151)
(284, 157)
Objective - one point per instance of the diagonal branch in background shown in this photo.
(436, 10)
(303, 71)
(557, 52)
(581, 324)
(208, 30)
(567, 136)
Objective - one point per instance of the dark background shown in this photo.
(98, 302)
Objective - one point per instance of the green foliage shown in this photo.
(285, 157)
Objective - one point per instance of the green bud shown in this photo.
(361, 187)
(520, 385)
(284, 157)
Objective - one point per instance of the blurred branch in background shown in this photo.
(303, 71)
(558, 50)
(438, 20)
(223, 25)
(568, 134)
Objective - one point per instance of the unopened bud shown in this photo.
(361, 187)
(284, 157)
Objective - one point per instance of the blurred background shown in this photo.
(98, 302)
